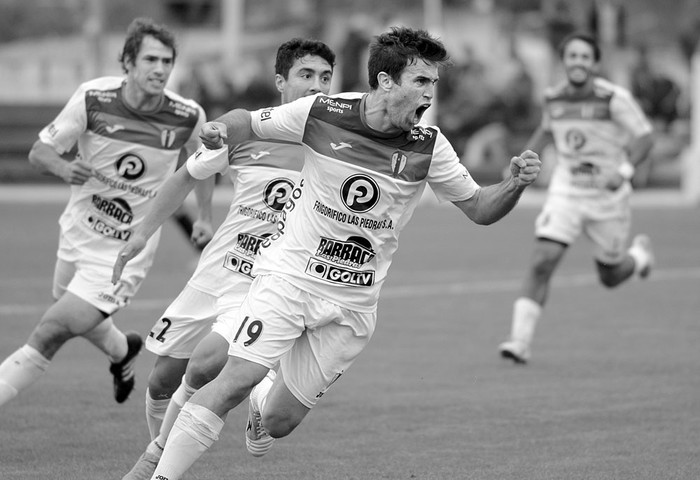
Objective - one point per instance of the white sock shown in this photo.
(155, 411)
(640, 257)
(181, 396)
(109, 339)
(20, 370)
(526, 313)
(261, 390)
(195, 431)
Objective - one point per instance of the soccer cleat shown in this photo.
(146, 465)
(516, 351)
(643, 243)
(257, 440)
(123, 371)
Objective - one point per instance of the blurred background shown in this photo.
(487, 104)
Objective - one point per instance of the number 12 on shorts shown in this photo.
(253, 331)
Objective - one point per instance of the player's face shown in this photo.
(409, 99)
(150, 70)
(309, 75)
(579, 62)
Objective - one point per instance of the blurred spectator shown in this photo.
(656, 93)
(481, 109)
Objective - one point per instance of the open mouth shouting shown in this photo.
(420, 111)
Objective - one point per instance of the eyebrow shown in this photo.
(312, 70)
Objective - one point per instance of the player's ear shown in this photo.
(280, 82)
(385, 81)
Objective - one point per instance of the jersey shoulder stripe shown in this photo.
(268, 153)
(336, 129)
(562, 105)
(169, 127)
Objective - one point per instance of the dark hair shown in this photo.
(393, 51)
(297, 48)
(584, 37)
(135, 33)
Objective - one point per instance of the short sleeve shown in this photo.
(448, 178)
(204, 162)
(627, 112)
(65, 130)
(285, 122)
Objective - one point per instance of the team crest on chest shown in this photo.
(167, 138)
(398, 163)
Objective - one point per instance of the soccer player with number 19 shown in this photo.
(312, 306)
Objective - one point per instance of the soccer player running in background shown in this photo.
(312, 305)
(130, 133)
(263, 174)
(600, 135)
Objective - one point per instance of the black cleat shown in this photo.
(123, 371)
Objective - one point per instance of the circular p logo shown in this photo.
(360, 193)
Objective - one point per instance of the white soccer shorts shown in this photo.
(314, 340)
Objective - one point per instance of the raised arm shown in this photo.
(493, 202)
(231, 128)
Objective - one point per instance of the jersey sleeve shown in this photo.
(63, 133)
(204, 162)
(448, 178)
(627, 112)
(285, 122)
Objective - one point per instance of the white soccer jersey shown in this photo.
(263, 174)
(132, 154)
(591, 135)
(358, 188)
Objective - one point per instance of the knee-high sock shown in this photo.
(156, 409)
(526, 313)
(195, 431)
(181, 396)
(20, 370)
(109, 339)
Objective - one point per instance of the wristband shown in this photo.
(626, 170)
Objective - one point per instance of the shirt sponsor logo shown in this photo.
(114, 128)
(181, 109)
(116, 208)
(249, 244)
(340, 146)
(102, 96)
(339, 275)
(420, 133)
(266, 114)
(360, 193)
(103, 228)
(334, 105)
(354, 252)
(575, 139)
(238, 264)
(130, 166)
(277, 192)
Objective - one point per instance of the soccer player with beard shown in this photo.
(187, 338)
(600, 135)
(312, 306)
(131, 134)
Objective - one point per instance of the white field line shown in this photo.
(432, 289)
